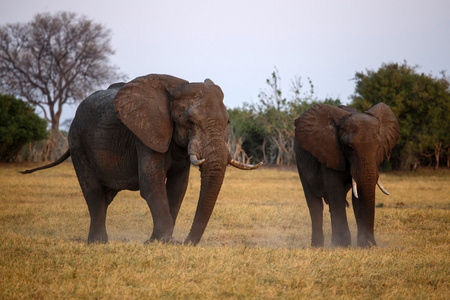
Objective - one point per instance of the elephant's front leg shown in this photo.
(340, 232)
(153, 189)
(336, 195)
(176, 186)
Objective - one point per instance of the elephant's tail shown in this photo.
(55, 163)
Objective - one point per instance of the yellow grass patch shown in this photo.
(255, 246)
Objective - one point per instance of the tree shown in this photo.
(276, 114)
(19, 125)
(265, 130)
(421, 104)
(55, 60)
(246, 141)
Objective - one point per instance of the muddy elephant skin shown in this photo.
(144, 135)
(338, 149)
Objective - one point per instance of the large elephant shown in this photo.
(338, 149)
(143, 135)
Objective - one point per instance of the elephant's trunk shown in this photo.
(212, 175)
(210, 188)
(209, 151)
(364, 180)
(364, 209)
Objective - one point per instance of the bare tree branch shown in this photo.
(55, 60)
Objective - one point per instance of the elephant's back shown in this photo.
(100, 139)
(98, 104)
(96, 123)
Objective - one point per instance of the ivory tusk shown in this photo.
(195, 161)
(354, 188)
(243, 166)
(382, 187)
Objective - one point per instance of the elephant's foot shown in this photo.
(340, 234)
(366, 244)
(317, 240)
(163, 240)
(97, 239)
(97, 236)
(342, 243)
(366, 241)
(341, 240)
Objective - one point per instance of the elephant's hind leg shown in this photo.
(98, 200)
(97, 197)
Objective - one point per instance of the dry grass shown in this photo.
(255, 246)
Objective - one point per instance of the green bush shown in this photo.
(19, 125)
(421, 104)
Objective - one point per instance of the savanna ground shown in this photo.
(255, 246)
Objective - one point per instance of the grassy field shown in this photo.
(256, 245)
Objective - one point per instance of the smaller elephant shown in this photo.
(144, 135)
(338, 149)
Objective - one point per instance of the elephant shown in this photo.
(338, 149)
(144, 135)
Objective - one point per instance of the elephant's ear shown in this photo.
(143, 105)
(389, 129)
(317, 132)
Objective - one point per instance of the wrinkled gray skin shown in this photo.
(332, 146)
(139, 136)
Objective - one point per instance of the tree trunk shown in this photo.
(448, 157)
(437, 153)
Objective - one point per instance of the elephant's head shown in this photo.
(162, 109)
(345, 140)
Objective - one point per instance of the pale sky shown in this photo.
(239, 43)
